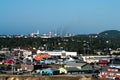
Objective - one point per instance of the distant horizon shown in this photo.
(62, 16)
(59, 33)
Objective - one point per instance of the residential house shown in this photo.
(2, 57)
(49, 71)
(40, 66)
(76, 68)
(81, 66)
(70, 70)
(115, 63)
(103, 62)
(27, 67)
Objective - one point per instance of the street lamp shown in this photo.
(86, 47)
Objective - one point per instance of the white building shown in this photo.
(35, 34)
(58, 53)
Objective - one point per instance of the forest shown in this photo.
(90, 43)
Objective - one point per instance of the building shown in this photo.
(70, 70)
(27, 67)
(80, 66)
(62, 54)
(49, 71)
(103, 62)
(113, 71)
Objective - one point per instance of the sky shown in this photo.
(59, 16)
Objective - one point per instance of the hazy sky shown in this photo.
(66, 16)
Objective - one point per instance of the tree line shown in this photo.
(80, 43)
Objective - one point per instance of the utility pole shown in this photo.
(85, 45)
(108, 49)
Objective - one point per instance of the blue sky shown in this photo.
(65, 16)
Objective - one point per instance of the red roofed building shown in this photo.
(103, 62)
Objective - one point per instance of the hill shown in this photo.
(110, 33)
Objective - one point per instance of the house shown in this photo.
(26, 53)
(49, 71)
(113, 71)
(73, 70)
(27, 67)
(86, 67)
(115, 63)
(81, 66)
(48, 61)
(74, 64)
(2, 57)
(76, 68)
(103, 62)
(62, 70)
(40, 66)
(70, 70)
